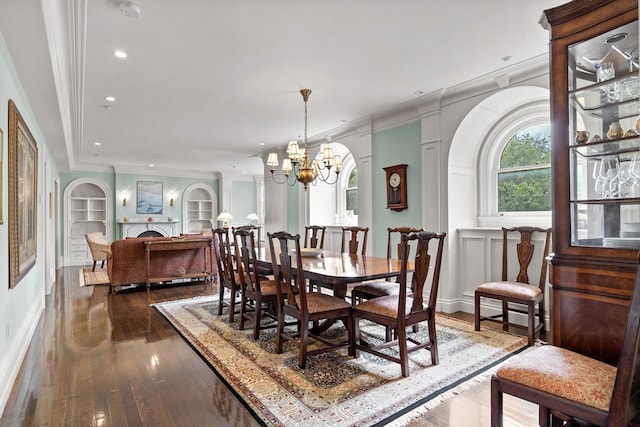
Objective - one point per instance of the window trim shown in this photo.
(494, 141)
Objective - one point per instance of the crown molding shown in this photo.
(66, 28)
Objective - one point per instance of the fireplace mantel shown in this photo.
(135, 228)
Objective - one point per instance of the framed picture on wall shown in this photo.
(23, 189)
(149, 197)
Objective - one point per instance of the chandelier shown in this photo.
(297, 163)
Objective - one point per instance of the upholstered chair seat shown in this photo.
(511, 289)
(563, 373)
(317, 302)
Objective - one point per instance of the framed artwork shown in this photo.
(149, 197)
(23, 189)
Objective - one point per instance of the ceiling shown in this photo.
(206, 82)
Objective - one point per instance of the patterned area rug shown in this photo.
(98, 277)
(334, 389)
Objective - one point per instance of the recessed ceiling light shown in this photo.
(107, 107)
(506, 58)
(262, 143)
(97, 143)
(120, 54)
(109, 98)
(150, 165)
(419, 92)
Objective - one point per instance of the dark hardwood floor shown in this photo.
(101, 359)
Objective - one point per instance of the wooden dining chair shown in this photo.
(350, 242)
(314, 236)
(257, 244)
(305, 307)
(227, 274)
(400, 311)
(568, 386)
(380, 288)
(259, 294)
(256, 232)
(513, 294)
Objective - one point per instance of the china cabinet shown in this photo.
(596, 172)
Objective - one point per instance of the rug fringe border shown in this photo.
(406, 419)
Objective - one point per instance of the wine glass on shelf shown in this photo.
(628, 181)
(634, 171)
(607, 177)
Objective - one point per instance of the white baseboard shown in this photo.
(11, 363)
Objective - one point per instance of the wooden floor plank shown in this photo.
(112, 360)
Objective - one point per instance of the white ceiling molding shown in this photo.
(66, 27)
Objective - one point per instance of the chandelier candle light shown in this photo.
(305, 171)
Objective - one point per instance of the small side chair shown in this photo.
(572, 389)
(99, 247)
(513, 294)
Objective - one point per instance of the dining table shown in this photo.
(337, 270)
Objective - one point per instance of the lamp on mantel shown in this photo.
(253, 218)
(225, 217)
(305, 171)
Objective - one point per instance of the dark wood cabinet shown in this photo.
(596, 156)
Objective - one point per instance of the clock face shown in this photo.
(394, 180)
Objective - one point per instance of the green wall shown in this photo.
(401, 145)
(244, 200)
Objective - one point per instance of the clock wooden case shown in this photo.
(396, 184)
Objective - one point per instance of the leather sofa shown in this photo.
(127, 263)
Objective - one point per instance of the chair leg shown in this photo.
(258, 317)
(433, 339)
(304, 340)
(531, 328)
(232, 305)
(356, 335)
(243, 305)
(541, 313)
(220, 298)
(350, 335)
(280, 330)
(94, 266)
(102, 265)
(505, 316)
(388, 333)
(404, 354)
(496, 403)
(477, 311)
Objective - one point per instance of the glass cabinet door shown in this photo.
(604, 135)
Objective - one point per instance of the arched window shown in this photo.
(336, 203)
(524, 174)
(514, 168)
